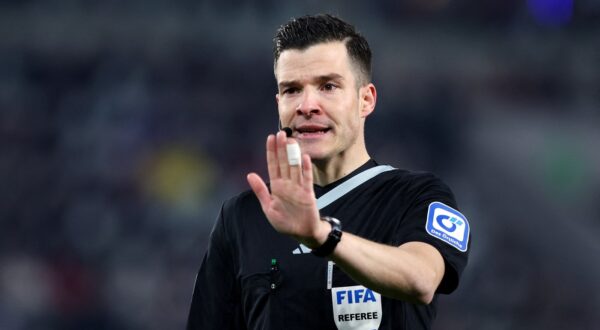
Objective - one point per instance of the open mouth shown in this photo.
(312, 130)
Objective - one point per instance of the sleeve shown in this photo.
(430, 193)
(215, 302)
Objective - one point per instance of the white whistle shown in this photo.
(293, 154)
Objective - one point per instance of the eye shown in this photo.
(329, 87)
(290, 90)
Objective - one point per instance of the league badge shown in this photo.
(448, 225)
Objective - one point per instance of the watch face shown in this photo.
(336, 228)
(333, 221)
(335, 235)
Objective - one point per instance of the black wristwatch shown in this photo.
(334, 237)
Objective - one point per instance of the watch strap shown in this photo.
(334, 237)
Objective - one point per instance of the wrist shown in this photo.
(320, 235)
(333, 238)
(323, 233)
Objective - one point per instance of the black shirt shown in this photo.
(252, 277)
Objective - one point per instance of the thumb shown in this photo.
(260, 190)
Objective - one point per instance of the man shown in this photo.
(278, 258)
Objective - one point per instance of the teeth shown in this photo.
(313, 131)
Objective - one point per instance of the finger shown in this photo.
(295, 170)
(272, 163)
(260, 190)
(307, 174)
(284, 167)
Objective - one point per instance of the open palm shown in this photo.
(290, 206)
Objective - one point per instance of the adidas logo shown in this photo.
(302, 249)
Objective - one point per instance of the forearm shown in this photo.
(411, 272)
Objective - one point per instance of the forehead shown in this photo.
(314, 61)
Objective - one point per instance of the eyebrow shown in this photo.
(320, 79)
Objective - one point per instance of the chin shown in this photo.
(318, 151)
(313, 152)
(317, 156)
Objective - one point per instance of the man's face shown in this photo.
(319, 98)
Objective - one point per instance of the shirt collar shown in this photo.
(319, 191)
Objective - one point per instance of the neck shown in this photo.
(331, 170)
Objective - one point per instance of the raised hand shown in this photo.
(290, 207)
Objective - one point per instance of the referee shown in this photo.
(336, 240)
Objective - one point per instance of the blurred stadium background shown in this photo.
(124, 126)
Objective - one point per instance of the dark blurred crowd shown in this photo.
(124, 126)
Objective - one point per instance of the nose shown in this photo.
(309, 104)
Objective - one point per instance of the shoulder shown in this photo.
(240, 204)
(243, 198)
(414, 188)
(409, 176)
(414, 181)
(238, 212)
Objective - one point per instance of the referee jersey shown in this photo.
(252, 277)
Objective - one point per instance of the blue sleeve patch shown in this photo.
(448, 225)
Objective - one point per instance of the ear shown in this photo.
(368, 99)
(277, 98)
